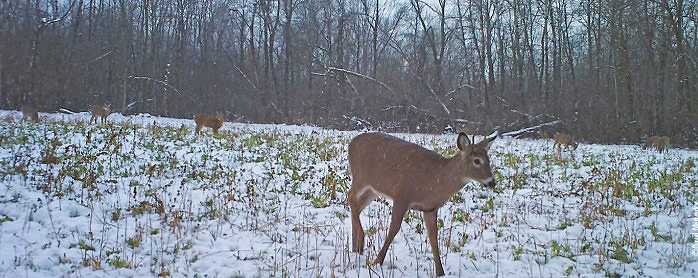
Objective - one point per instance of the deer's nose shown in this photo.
(489, 182)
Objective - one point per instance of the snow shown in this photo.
(145, 197)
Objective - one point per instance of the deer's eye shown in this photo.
(477, 161)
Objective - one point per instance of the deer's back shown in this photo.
(663, 141)
(562, 138)
(98, 110)
(208, 120)
(382, 160)
(652, 139)
(29, 110)
(202, 118)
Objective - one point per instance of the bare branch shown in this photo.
(362, 76)
(352, 86)
(320, 74)
(245, 77)
(431, 91)
(100, 57)
(423, 111)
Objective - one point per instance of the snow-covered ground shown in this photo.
(147, 197)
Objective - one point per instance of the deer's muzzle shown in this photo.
(489, 182)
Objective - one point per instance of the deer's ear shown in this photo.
(485, 143)
(462, 141)
(488, 141)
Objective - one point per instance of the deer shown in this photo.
(414, 178)
(564, 139)
(661, 143)
(30, 112)
(206, 120)
(100, 111)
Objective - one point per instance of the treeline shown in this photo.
(610, 71)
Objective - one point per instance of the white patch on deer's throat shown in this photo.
(487, 180)
(363, 190)
(380, 193)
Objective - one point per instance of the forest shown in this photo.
(608, 71)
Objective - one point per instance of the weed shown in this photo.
(118, 262)
(517, 251)
(85, 246)
(6, 219)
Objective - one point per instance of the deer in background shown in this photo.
(661, 143)
(206, 120)
(29, 112)
(100, 111)
(564, 139)
(414, 178)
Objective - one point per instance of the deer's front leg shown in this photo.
(399, 211)
(432, 234)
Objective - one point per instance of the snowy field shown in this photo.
(146, 197)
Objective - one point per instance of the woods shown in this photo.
(610, 71)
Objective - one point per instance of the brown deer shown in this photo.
(564, 139)
(100, 111)
(414, 177)
(29, 112)
(206, 120)
(661, 143)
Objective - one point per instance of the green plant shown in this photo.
(135, 241)
(118, 262)
(620, 254)
(85, 246)
(6, 219)
(517, 251)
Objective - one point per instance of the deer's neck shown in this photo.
(446, 178)
(450, 178)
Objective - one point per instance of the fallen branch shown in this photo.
(423, 111)
(464, 121)
(66, 111)
(362, 76)
(232, 62)
(460, 87)
(352, 87)
(132, 104)
(443, 106)
(99, 58)
(504, 102)
(154, 80)
(388, 108)
(524, 130)
(157, 81)
(431, 91)
(245, 77)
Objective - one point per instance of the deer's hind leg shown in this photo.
(358, 200)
